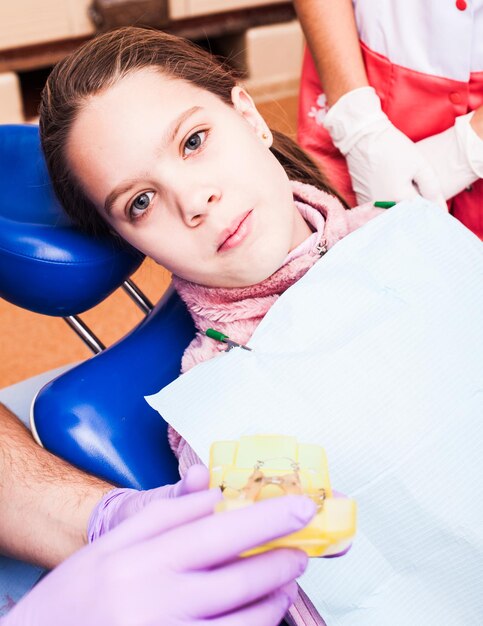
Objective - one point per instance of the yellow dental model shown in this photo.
(266, 466)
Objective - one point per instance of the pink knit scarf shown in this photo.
(238, 311)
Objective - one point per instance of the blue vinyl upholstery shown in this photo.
(46, 265)
(95, 415)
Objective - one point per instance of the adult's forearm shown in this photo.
(331, 34)
(45, 503)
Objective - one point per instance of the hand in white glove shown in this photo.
(456, 155)
(383, 163)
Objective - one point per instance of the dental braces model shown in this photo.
(266, 466)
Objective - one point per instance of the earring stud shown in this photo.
(265, 135)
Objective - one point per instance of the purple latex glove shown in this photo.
(119, 504)
(176, 564)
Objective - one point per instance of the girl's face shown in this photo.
(187, 179)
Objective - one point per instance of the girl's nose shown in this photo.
(195, 204)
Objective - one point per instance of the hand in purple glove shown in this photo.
(119, 504)
(176, 564)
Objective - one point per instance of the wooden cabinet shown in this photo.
(36, 34)
(193, 8)
(30, 22)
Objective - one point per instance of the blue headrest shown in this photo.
(46, 265)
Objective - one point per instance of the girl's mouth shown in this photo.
(238, 231)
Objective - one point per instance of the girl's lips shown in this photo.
(237, 233)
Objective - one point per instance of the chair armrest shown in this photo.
(95, 415)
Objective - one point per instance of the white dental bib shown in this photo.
(377, 355)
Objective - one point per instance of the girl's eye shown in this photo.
(194, 142)
(140, 204)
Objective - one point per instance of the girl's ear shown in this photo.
(243, 103)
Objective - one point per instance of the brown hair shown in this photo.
(99, 64)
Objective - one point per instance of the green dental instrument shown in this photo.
(384, 204)
(215, 334)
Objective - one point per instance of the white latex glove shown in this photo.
(456, 156)
(383, 163)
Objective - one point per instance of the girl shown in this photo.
(147, 136)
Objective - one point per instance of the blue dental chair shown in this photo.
(93, 415)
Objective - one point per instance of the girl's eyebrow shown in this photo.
(168, 137)
(175, 125)
(118, 191)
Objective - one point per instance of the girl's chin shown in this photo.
(234, 280)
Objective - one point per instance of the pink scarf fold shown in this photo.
(238, 311)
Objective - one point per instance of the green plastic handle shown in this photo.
(215, 334)
(384, 204)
